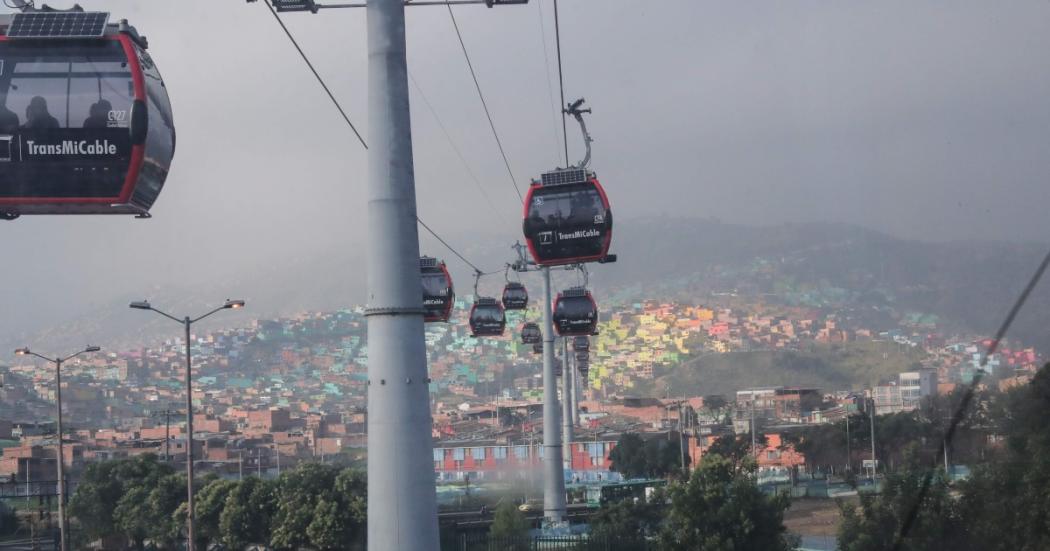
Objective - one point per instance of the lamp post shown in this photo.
(62, 528)
(187, 322)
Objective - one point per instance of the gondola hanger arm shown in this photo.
(577, 113)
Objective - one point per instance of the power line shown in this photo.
(314, 71)
(485, 105)
(452, 143)
(561, 83)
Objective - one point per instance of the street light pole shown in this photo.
(64, 545)
(848, 452)
(874, 463)
(187, 322)
(63, 527)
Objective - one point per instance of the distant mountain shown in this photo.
(969, 284)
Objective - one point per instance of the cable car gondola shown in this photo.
(582, 356)
(487, 318)
(537, 347)
(583, 368)
(568, 219)
(438, 294)
(530, 334)
(581, 343)
(85, 122)
(515, 296)
(575, 312)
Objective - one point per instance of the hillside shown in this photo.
(970, 286)
(838, 366)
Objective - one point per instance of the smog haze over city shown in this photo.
(824, 212)
(923, 121)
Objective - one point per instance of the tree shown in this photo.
(8, 520)
(320, 506)
(340, 517)
(634, 457)
(877, 524)
(103, 486)
(627, 522)
(148, 513)
(245, 517)
(628, 456)
(737, 450)
(209, 505)
(721, 509)
(509, 525)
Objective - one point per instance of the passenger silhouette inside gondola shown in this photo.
(99, 115)
(8, 120)
(38, 117)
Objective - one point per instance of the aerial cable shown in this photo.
(314, 71)
(358, 134)
(547, 73)
(957, 417)
(452, 144)
(484, 104)
(561, 83)
(454, 251)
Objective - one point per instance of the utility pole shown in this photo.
(167, 413)
(754, 442)
(566, 403)
(848, 452)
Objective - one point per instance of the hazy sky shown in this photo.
(924, 120)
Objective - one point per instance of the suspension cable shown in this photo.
(316, 75)
(484, 104)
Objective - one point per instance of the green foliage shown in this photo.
(1004, 506)
(634, 457)
(103, 486)
(737, 450)
(509, 523)
(721, 509)
(314, 506)
(210, 502)
(319, 506)
(245, 517)
(627, 521)
(148, 512)
(877, 524)
(8, 520)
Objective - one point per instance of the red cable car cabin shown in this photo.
(515, 296)
(575, 313)
(438, 294)
(530, 333)
(486, 318)
(85, 121)
(583, 367)
(568, 219)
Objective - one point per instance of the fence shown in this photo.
(481, 541)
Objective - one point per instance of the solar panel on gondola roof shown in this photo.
(58, 25)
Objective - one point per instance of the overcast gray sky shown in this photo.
(922, 119)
